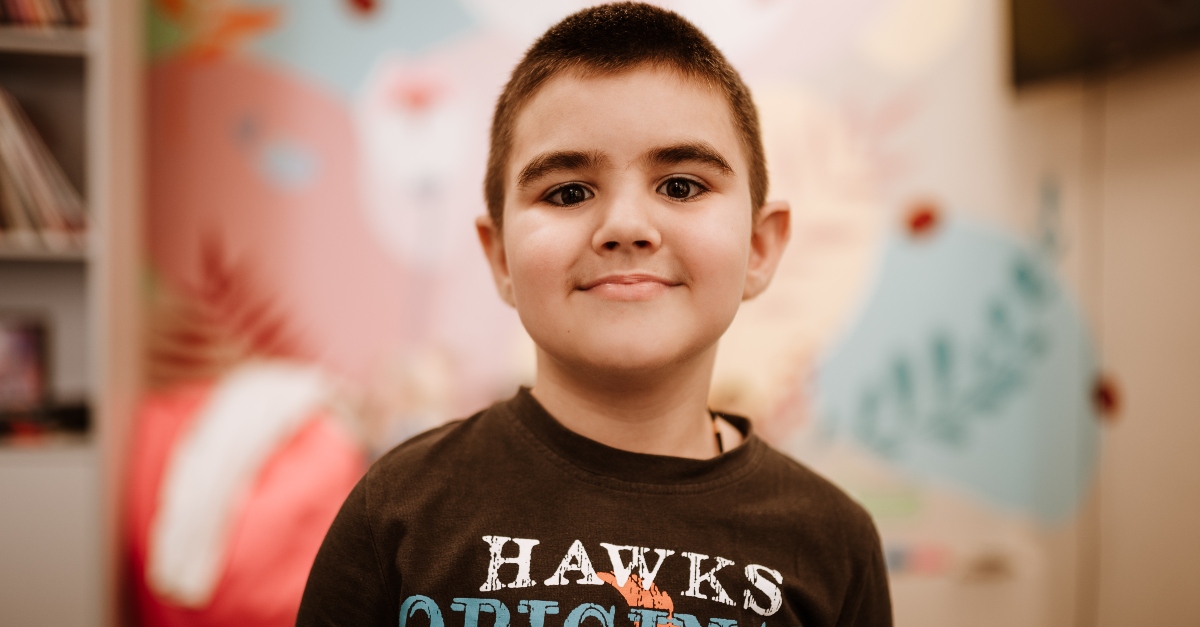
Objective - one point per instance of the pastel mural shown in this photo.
(315, 168)
(969, 364)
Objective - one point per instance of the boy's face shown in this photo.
(628, 239)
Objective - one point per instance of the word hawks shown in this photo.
(765, 580)
(660, 612)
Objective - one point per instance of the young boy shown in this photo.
(627, 221)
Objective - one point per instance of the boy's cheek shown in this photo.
(539, 269)
(713, 253)
(540, 243)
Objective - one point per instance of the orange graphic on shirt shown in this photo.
(637, 596)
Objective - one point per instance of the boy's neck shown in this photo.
(659, 413)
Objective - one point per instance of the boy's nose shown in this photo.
(626, 226)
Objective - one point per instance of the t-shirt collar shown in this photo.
(603, 460)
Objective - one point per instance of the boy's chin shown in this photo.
(620, 358)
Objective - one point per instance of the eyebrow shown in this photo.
(558, 161)
(699, 152)
(566, 160)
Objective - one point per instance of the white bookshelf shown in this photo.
(48, 71)
(70, 42)
(16, 254)
(59, 552)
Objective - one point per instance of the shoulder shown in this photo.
(832, 538)
(429, 450)
(815, 501)
(425, 467)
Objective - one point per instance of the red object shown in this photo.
(365, 7)
(923, 220)
(278, 528)
(417, 96)
(1106, 398)
(173, 8)
(929, 560)
(26, 433)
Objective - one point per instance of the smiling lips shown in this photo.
(628, 287)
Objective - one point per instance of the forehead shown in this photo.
(623, 115)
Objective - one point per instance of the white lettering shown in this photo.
(496, 544)
(754, 573)
(621, 570)
(576, 559)
(696, 578)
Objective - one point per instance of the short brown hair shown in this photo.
(612, 38)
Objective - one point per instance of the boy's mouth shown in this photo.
(632, 286)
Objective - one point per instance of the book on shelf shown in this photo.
(39, 208)
(43, 12)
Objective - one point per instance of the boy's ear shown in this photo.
(768, 239)
(492, 240)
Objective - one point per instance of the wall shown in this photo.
(1124, 154)
(312, 146)
(1149, 221)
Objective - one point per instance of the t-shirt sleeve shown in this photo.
(871, 604)
(346, 585)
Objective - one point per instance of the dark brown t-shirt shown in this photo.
(508, 519)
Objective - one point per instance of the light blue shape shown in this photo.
(583, 611)
(289, 165)
(421, 603)
(472, 607)
(650, 617)
(332, 44)
(969, 364)
(686, 620)
(537, 610)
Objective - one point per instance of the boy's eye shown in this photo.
(570, 194)
(681, 188)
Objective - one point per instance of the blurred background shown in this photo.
(238, 263)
